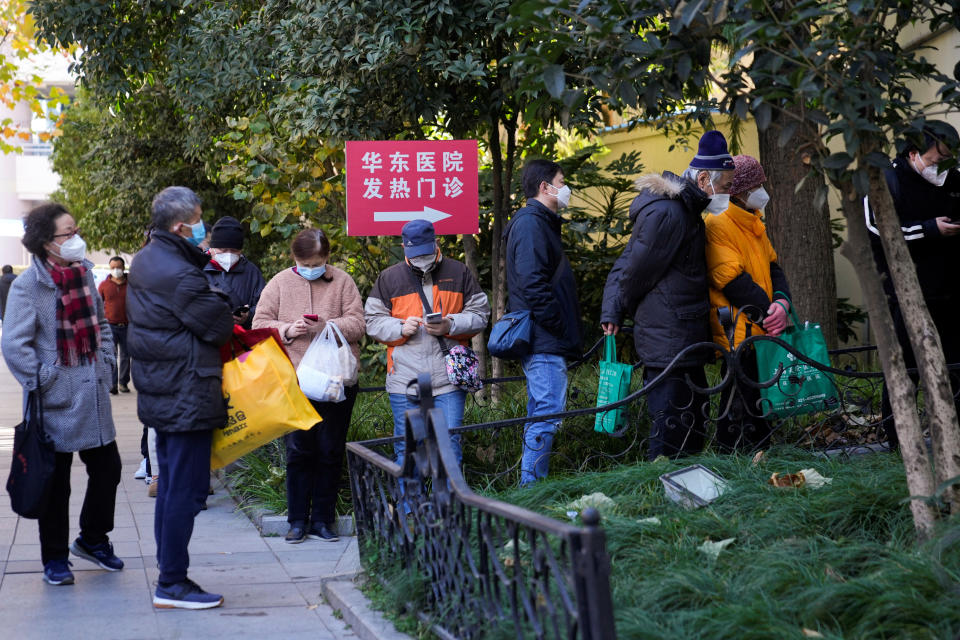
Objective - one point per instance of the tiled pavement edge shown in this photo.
(271, 589)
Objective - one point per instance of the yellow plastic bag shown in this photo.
(264, 402)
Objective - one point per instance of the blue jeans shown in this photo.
(184, 461)
(450, 403)
(546, 393)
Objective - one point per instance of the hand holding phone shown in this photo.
(311, 316)
(434, 318)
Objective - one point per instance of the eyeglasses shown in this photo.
(68, 234)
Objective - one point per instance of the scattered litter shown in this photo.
(598, 501)
(833, 574)
(810, 633)
(572, 515)
(650, 521)
(712, 549)
(758, 457)
(803, 478)
(694, 486)
(312, 607)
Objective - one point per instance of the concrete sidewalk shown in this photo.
(271, 589)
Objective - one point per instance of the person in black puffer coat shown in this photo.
(231, 272)
(926, 200)
(661, 281)
(177, 323)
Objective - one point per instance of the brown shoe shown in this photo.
(152, 489)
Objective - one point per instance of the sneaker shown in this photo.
(124, 389)
(152, 489)
(113, 391)
(296, 534)
(141, 470)
(101, 554)
(185, 595)
(57, 572)
(322, 532)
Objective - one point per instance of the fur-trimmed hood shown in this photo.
(667, 186)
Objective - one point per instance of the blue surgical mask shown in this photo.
(311, 273)
(198, 233)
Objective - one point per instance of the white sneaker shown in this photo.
(142, 471)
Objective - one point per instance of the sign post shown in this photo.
(390, 182)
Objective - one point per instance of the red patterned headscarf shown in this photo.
(78, 330)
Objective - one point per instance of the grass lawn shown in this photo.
(836, 562)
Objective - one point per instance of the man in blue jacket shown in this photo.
(177, 323)
(661, 280)
(540, 280)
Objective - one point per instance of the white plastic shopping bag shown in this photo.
(327, 366)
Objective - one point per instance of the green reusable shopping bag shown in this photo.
(614, 386)
(801, 388)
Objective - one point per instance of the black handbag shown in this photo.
(34, 460)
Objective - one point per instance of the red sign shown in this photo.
(390, 182)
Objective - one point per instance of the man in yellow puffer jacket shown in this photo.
(744, 276)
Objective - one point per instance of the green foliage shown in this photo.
(840, 560)
(112, 165)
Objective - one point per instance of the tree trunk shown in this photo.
(799, 231)
(497, 266)
(924, 339)
(471, 256)
(899, 385)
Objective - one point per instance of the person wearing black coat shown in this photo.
(540, 280)
(231, 272)
(177, 323)
(660, 280)
(927, 201)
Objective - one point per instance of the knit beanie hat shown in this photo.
(747, 174)
(712, 154)
(227, 234)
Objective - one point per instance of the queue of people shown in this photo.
(698, 250)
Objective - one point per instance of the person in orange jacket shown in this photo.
(745, 278)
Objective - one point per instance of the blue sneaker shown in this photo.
(101, 554)
(185, 595)
(57, 572)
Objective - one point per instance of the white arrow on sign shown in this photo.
(429, 214)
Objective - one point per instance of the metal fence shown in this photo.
(486, 565)
(489, 566)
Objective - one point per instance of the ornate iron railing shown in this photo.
(487, 565)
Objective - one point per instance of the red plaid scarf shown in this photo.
(78, 331)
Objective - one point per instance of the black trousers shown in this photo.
(315, 462)
(676, 412)
(944, 314)
(739, 427)
(96, 515)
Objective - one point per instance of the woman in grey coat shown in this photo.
(55, 332)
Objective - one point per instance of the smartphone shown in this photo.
(434, 318)
(241, 310)
(311, 316)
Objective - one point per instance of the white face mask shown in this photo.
(758, 199)
(117, 273)
(424, 263)
(719, 202)
(73, 250)
(563, 196)
(930, 173)
(226, 260)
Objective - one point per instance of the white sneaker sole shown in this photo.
(164, 603)
(56, 583)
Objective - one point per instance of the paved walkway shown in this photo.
(271, 589)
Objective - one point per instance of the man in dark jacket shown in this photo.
(927, 202)
(177, 323)
(661, 280)
(540, 280)
(231, 272)
(5, 280)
